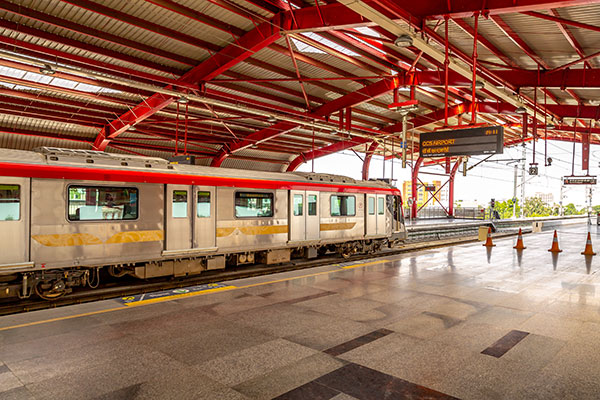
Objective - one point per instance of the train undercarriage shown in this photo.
(53, 284)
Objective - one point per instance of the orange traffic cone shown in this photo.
(520, 245)
(554, 248)
(588, 247)
(488, 242)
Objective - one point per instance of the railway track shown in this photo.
(111, 290)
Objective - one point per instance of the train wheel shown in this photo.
(346, 252)
(50, 290)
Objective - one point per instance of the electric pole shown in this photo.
(514, 214)
(523, 159)
(560, 202)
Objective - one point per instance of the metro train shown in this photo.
(66, 216)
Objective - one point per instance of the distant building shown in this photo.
(547, 198)
(423, 194)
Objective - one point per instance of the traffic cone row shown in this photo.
(588, 251)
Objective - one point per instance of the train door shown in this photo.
(381, 214)
(179, 209)
(14, 220)
(297, 215)
(313, 227)
(371, 215)
(204, 217)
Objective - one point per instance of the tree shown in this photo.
(535, 207)
(570, 209)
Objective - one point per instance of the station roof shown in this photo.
(270, 84)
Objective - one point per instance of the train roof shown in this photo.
(97, 159)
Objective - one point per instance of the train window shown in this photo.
(312, 204)
(371, 205)
(10, 202)
(203, 205)
(100, 203)
(180, 204)
(380, 205)
(298, 206)
(342, 206)
(249, 204)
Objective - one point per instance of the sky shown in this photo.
(491, 179)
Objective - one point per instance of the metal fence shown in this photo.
(438, 212)
(469, 212)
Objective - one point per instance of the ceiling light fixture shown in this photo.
(479, 85)
(403, 41)
(47, 70)
(550, 126)
(183, 100)
(521, 110)
(272, 119)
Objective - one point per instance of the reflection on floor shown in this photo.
(458, 322)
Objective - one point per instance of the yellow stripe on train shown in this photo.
(85, 239)
(337, 226)
(67, 239)
(252, 230)
(136, 236)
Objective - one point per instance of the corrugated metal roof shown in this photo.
(26, 142)
(133, 43)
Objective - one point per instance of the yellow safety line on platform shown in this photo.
(178, 296)
(151, 301)
(365, 264)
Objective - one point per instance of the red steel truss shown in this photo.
(303, 63)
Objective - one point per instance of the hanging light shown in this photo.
(272, 119)
(521, 110)
(132, 128)
(182, 100)
(479, 85)
(550, 126)
(403, 41)
(47, 70)
(407, 109)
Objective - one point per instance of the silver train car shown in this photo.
(66, 214)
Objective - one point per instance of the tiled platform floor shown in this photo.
(452, 322)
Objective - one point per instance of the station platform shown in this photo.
(465, 322)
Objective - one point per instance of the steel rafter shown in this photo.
(350, 100)
(516, 39)
(256, 39)
(571, 78)
(570, 37)
(466, 8)
(417, 122)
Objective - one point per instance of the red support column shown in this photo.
(451, 188)
(413, 194)
(367, 162)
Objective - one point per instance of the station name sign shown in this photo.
(462, 142)
(579, 180)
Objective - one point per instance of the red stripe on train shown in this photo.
(115, 175)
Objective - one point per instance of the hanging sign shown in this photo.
(462, 142)
(579, 180)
